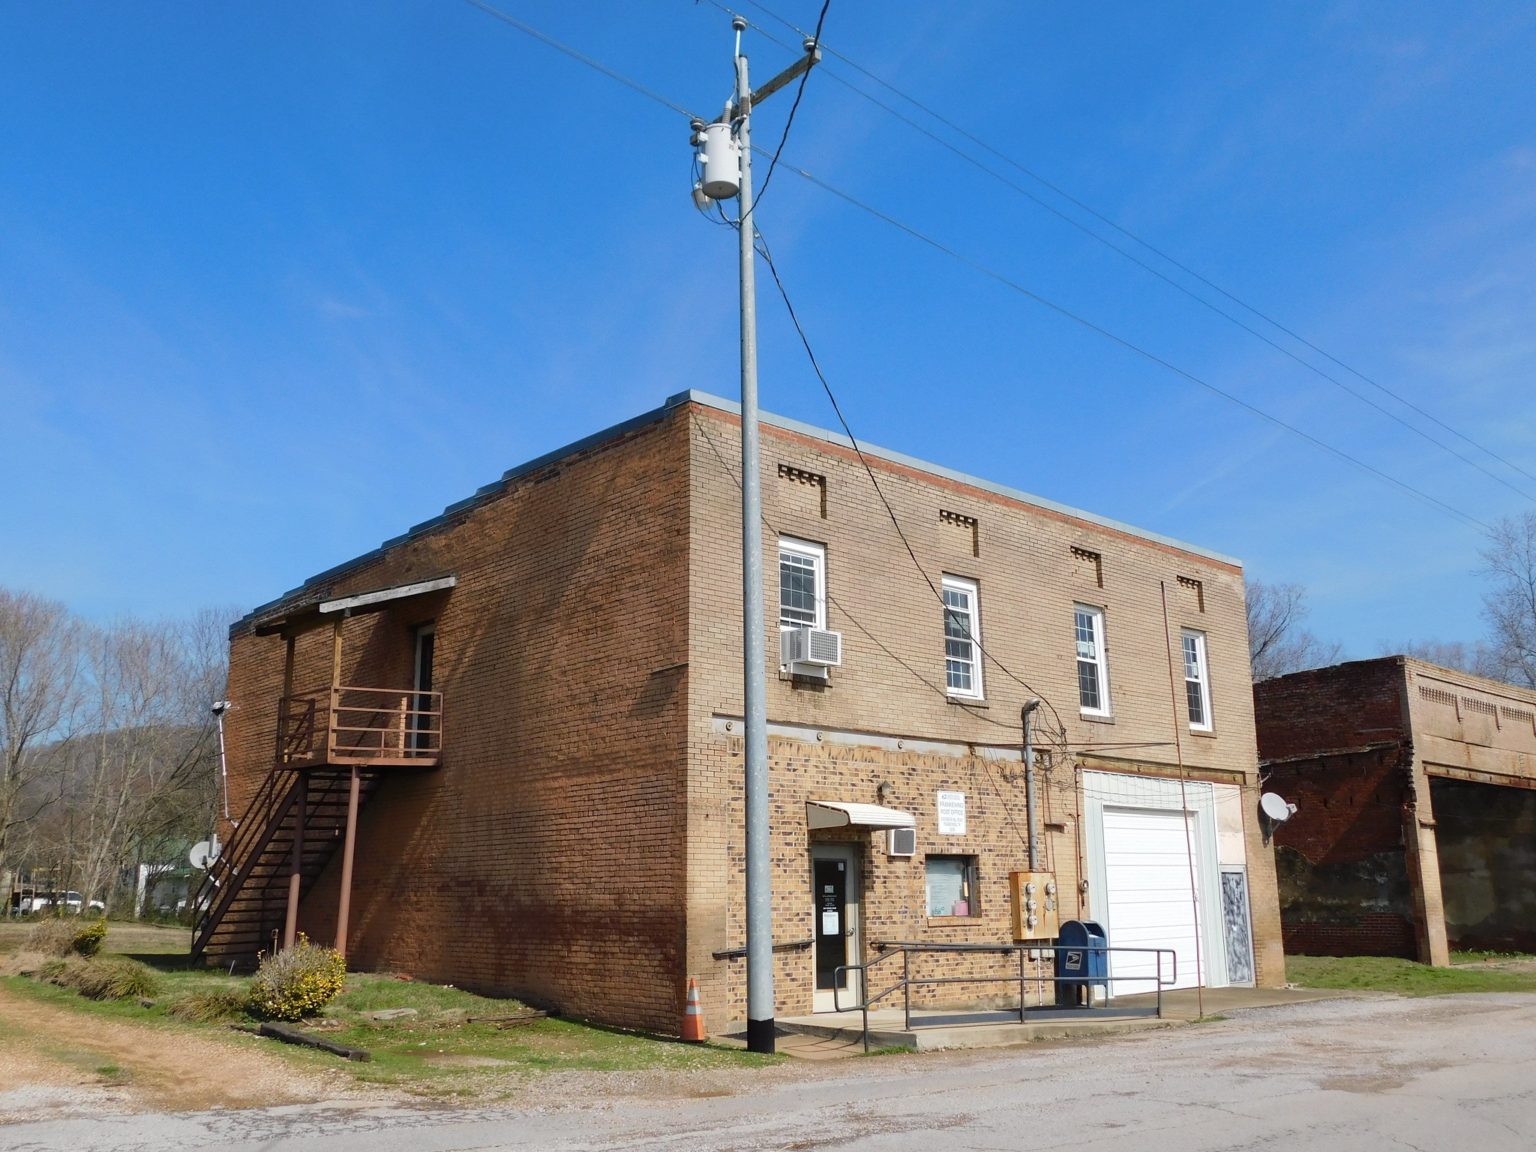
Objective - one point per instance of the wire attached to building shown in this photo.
(762, 249)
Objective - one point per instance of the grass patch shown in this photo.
(435, 1052)
(1403, 977)
(439, 1051)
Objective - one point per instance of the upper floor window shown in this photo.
(962, 637)
(1092, 661)
(1197, 681)
(802, 584)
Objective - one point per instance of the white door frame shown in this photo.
(1122, 790)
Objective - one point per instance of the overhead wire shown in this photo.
(1131, 346)
(991, 273)
(762, 250)
(1150, 247)
(789, 121)
(579, 57)
(843, 609)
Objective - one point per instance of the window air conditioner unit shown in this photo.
(903, 842)
(813, 647)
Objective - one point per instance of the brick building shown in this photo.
(1415, 829)
(539, 695)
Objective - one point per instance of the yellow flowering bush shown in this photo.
(87, 941)
(297, 982)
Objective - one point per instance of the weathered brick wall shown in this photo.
(545, 858)
(1345, 888)
(891, 682)
(1330, 709)
(1345, 882)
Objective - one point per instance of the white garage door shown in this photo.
(1147, 872)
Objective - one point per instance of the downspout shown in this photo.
(1026, 716)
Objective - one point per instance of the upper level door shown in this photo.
(423, 727)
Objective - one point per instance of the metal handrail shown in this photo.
(220, 880)
(906, 949)
(410, 730)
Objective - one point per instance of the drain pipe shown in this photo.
(1026, 716)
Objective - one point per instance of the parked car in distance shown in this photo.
(57, 901)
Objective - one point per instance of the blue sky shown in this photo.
(278, 281)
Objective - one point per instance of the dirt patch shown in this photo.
(67, 1063)
(467, 1062)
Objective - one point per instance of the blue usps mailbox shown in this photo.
(1082, 963)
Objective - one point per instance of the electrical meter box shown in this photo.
(1036, 905)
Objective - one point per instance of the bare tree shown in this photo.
(1475, 658)
(1277, 642)
(1509, 605)
(38, 691)
(150, 760)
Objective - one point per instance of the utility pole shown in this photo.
(727, 164)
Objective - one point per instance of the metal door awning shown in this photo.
(841, 814)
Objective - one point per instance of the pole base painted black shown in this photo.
(760, 1035)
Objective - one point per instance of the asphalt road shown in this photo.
(1452, 1074)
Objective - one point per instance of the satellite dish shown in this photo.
(204, 853)
(1275, 807)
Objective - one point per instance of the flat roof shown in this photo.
(768, 419)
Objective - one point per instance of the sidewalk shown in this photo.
(831, 1035)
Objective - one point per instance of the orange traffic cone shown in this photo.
(693, 1014)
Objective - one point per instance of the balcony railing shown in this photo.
(367, 727)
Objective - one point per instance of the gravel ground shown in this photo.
(1433, 1075)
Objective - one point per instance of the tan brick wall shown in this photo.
(891, 682)
(545, 857)
(582, 843)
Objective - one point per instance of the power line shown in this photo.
(579, 57)
(762, 248)
(1150, 247)
(1130, 346)
(835, 602)
(790, 120)
(995, 275)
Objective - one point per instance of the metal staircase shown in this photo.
(244, 896)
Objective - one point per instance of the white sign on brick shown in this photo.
(951, 813)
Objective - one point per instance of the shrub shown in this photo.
(211, 1006)
(297, 982)
(59, 937)
(107, 978)
(53, 937)
(88, 938)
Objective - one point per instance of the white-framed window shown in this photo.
(802, 584)
(1197, 681)
(962, 637)
(952, 885)
(1092, 661)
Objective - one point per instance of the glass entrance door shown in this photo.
(835, 905)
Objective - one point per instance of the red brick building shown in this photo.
(540, 691)
(1415, 829)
